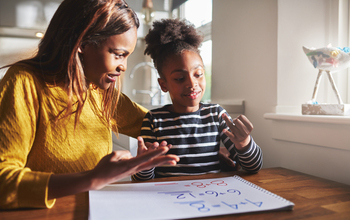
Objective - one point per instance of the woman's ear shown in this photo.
(162, 84)
(81, 48)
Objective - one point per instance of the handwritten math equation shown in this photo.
(200, 199)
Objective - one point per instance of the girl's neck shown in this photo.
(184, 109)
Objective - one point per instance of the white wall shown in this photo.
(258, 57)
(14, 49)
(316, 25)
(244, 35)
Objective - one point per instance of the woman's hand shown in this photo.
(120, 164)
(240, 128)
(112, 167)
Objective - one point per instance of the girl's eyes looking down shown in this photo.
(182, 76)
(199, 73)
(180, 79)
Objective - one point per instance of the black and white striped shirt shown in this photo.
(195, 138)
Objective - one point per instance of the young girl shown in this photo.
(192, 128)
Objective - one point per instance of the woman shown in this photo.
(58, 108)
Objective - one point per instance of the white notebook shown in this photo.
(182, 199)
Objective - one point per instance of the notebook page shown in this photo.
(182, 199)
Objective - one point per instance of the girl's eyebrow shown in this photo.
(177, 70)
(183, 70)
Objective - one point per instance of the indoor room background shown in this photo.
(254, 57)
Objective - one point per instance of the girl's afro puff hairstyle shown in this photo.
(169, 37)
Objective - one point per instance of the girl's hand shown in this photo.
(120, 164)
(144, 147)
(240, 128)
(224, 156)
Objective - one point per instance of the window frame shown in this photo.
(206, 30)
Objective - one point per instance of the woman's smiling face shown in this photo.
(184, 79)
(104, 63)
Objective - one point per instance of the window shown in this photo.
(316, 25)
(199, 13)
(342, 79)
(346, 16)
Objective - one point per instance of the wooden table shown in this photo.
(314, 198)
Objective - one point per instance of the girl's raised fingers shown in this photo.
(246, 122)
(229, 123)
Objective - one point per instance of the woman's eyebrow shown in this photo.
(118, 50)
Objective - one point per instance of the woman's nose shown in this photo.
(122, 67)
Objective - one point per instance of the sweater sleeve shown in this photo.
(129, 116)
(19, 186)
(251, 160)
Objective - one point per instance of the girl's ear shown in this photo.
(162, 84)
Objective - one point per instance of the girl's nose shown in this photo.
(192, 82)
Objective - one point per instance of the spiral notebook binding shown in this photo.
(262, 189)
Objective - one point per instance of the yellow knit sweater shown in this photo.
(32, 147)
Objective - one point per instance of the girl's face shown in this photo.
(184, 79)
(105, 62)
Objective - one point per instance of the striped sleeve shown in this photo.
(250, 160)
(148, 136)
(147, 129)
(144, 175)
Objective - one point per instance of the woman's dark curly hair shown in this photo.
(77, 23)
(169, 37)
